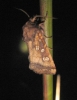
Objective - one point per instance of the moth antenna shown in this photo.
(47, 36)
(23, 12)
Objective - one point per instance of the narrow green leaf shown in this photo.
(46, 5)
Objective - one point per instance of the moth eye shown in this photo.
(46, 58)
(37, 47)
(42, 50)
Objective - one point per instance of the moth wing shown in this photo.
(41, 61)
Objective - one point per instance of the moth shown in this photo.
(40, 59)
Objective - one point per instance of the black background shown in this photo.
(17, 81)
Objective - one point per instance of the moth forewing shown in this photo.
(40, 59)
(40, 63)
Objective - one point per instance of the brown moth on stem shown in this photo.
(40, 59)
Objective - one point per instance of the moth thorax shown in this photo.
(45, 58)
(37, 47)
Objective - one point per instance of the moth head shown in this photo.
(36, 19)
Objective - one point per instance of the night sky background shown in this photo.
(17, 82)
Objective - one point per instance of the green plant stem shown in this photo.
(46, 5)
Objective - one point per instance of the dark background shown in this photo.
(17, 81)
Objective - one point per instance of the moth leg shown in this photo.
(47, 36)
(50, 48)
